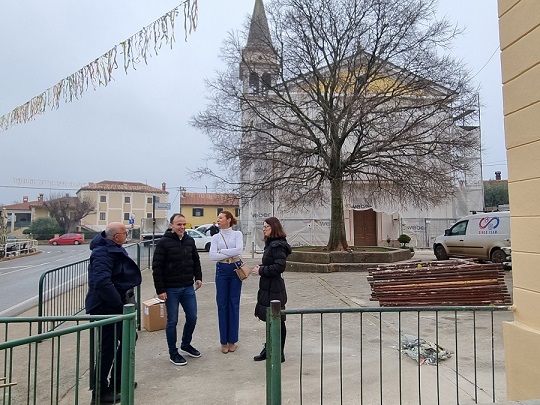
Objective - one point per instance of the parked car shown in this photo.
(67, 239)
(481, 236)
(202, 241)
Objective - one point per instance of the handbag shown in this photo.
(242, 270)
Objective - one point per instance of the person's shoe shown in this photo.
(224, 349)
(232, 347)
(191, 351)
(107, 396)
(177, 359)
(261, 356)
(282, 357)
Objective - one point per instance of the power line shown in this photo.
(485, 64)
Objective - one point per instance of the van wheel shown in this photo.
(498, 256)
(207, 247)
(440, 253)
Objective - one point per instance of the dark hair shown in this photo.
(277, 230)
(230, 216)
(176, 215)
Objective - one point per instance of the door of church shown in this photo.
(365, 228)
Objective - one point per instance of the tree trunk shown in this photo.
(338, 239)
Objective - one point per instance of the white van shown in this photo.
(479, 236)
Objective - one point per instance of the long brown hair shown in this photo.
(230, 216)
(276, 230)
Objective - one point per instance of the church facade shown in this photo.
(368, 220)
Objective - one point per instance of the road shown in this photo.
(19, 276)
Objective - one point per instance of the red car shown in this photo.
(67, 239)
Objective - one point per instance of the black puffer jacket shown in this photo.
(176, 262)
(271, 284)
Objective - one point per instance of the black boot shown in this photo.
(262, 355)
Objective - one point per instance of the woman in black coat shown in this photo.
(271, 284)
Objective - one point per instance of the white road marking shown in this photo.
(21, 304)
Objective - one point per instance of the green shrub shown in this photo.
(44, 226)
(404, 239)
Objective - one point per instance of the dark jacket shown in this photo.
(111, 274)
(213, 230)
(271, 283)
(176, 262)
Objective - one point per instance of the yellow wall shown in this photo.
(210, 214)
(519, 23)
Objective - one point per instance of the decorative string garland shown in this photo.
(98, 73)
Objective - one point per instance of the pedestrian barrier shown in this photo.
(388, 355)
(54, 367)
(18, 247)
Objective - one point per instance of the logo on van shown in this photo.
(488, 225)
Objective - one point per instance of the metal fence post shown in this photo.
(273, 353)
(128, 356)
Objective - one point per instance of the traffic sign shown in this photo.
(163, 206)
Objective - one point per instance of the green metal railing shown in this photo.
(52, 367)
(380, 355)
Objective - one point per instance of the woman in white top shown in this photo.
(226, 247)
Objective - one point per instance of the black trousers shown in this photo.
(110, 353)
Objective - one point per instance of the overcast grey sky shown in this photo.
(136, 128)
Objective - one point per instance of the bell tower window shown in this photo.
(266, 82)
(254, 82)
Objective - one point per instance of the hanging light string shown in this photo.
(98, 73)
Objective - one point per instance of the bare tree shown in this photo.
(68, 211)
(359, 95)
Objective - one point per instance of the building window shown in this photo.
(237, 212)
(126, 216)
(266, 82)
(254, 82)
(198, 212)
(149, 200)
(218, 211)
(148, 215)
(102, 198)
(127, 200)
(102, 216)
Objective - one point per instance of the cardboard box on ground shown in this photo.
(154, 314)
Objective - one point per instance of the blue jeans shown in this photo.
(184, 296)
(228, 290)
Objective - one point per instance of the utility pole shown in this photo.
(3, 226)
(154, 198)
(180, 191)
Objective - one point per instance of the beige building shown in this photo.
(121, 201)
(24, 213)
(519, 30)
(203, 208)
